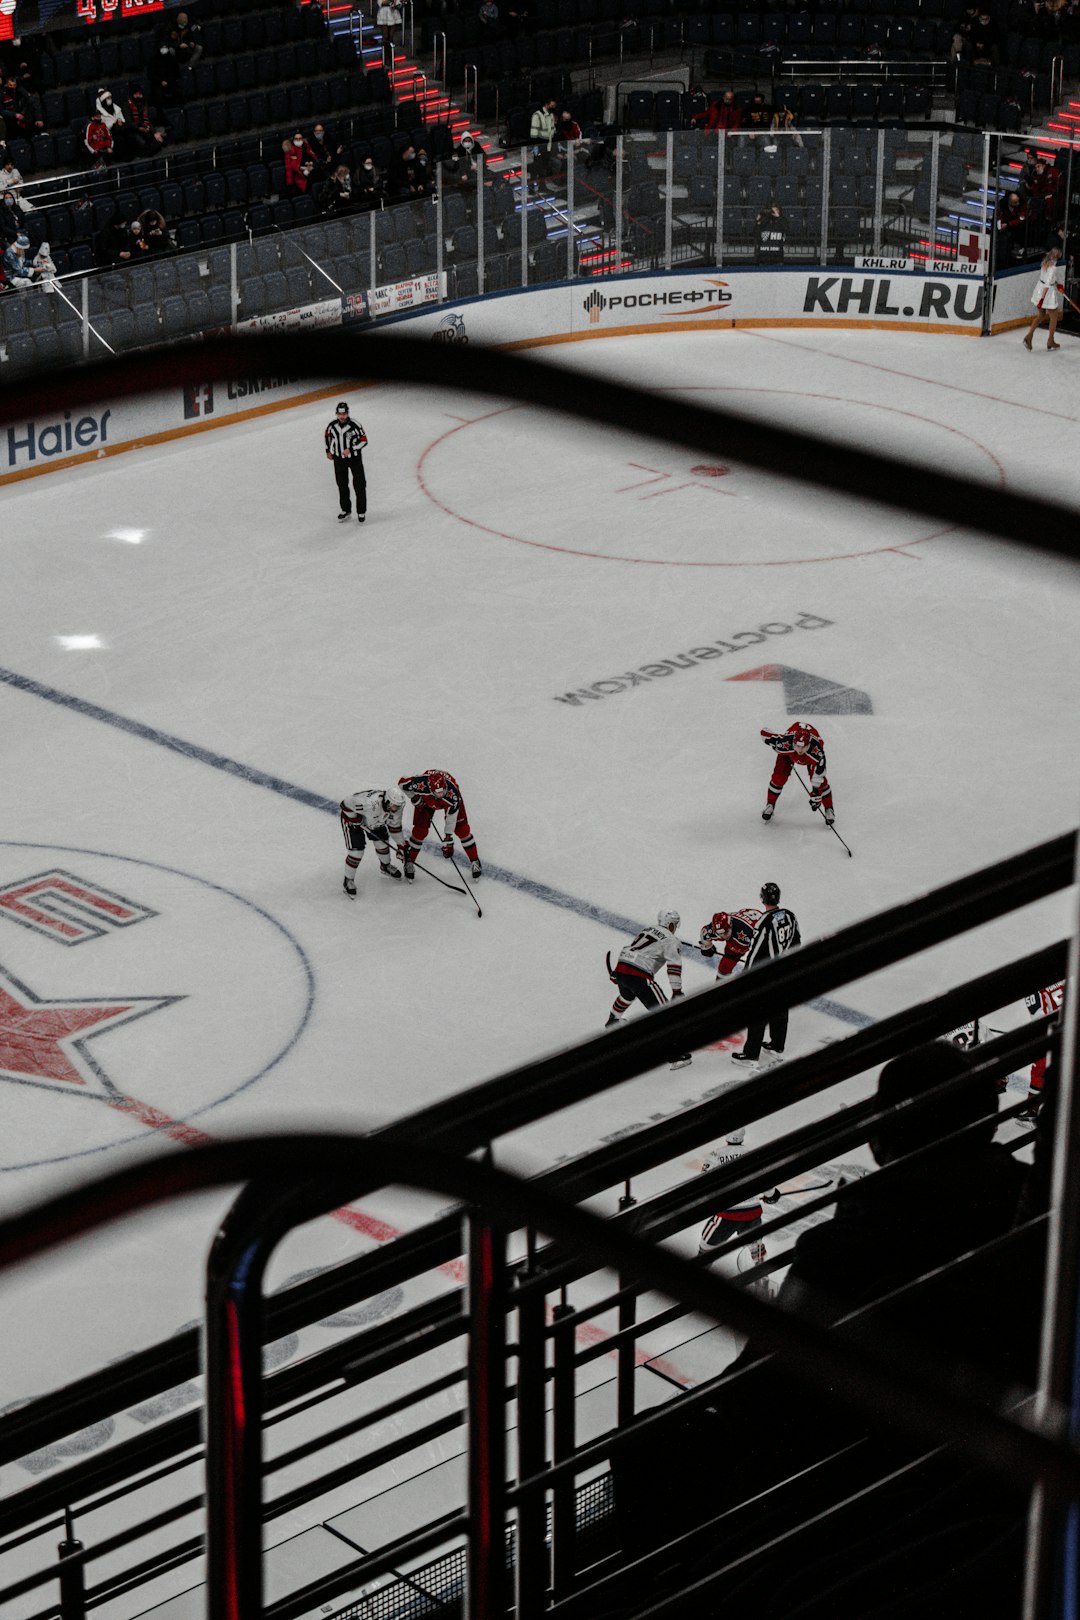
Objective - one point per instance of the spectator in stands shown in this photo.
(1010, 112)
(461, 166)
(19, 110)
(98, 140)
(370, 184)
(115, 123)
(165, 75)
(488, 18)
(1041, 189)
(725, 114)
(542, 137)
(11, 220)
(145, 137)
(180, 38)
(338, 197)
(758, 114)
(299, 165)
(18, 269)
(113, 244)
(567, 132)
(44, 268)
(516, 21)
(422, 177)
(155, 231)
(1011, 226)
(11, 180)
(984, 39)
(388, 21)
(783, 121)
(326, 153)
(770, 233)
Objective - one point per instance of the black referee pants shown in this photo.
(777, 1022)
(342, 464)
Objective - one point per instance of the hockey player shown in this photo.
(1041, 1002)
(741, 1215)
(734, 932)
(636, 969)
(437, 790)
(777, 932)
(804, 746)
(373, 813)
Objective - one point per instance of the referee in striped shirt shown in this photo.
(345, 441)
(777, 932)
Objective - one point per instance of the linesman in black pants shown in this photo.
(777, 932)
(345, 441)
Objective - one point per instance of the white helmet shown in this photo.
(668, 919)
(393, 798)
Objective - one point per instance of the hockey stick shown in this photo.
(817, 807)
(448, 838)
(446, 885)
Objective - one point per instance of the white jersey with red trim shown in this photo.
(648, 951)
(367, 806)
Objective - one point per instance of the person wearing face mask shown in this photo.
(144, 136)
(339, 191)
(115, 122)
(369, 184)
(299, 165)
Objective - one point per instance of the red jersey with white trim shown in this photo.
(812, 760)
(732, 950)
(1046, 1001)
(434, 790)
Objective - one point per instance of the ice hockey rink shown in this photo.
(588, 630)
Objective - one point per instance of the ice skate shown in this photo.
(343, 517)
(390, 869)
(767, 813)
(744, 1057)
(410, 871)
(349, 886)
(1053, 345)
(1030, 1111)
(1027, 343)
(477, 869)
(613, 1019)
(361, 517)
(830, 817)
(683, 1062)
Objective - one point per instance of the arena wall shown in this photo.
(566, 312)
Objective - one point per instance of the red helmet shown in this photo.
(720, 925)
(803, 735)
(437, 782)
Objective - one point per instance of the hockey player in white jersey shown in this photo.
(737, 1216)
(639, 962)
(373, 813)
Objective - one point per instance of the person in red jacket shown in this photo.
(725, 114)
(98, 139)
(804, 746)
(299, 164)
(437, 790)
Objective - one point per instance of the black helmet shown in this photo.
(770, 894)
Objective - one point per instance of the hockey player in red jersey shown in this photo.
(804, 746)
(1041, 1003)
(729, 935)
(437, 790)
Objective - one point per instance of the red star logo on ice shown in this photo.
(44, 1042)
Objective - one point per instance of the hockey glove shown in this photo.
(448, 848)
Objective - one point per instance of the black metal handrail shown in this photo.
(867, 1373)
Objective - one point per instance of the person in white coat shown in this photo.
(1047, 298)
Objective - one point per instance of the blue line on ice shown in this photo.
(316, 801)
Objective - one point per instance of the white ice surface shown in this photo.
(507, 559)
